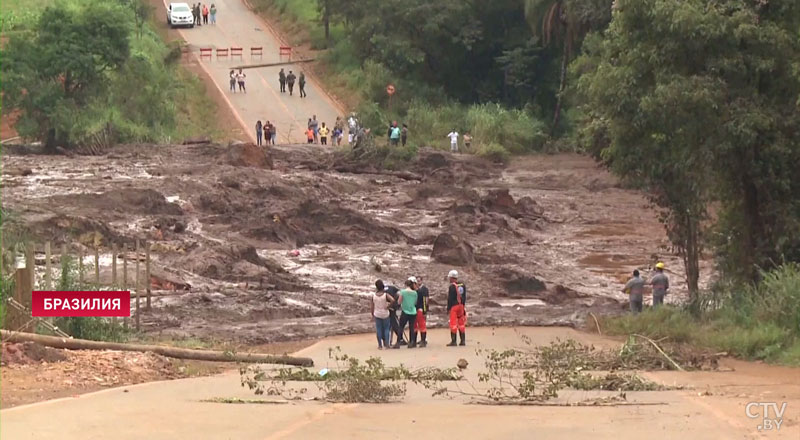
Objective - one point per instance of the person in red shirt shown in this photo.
(310, 134)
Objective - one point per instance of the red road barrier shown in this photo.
(222, 53)
(205, 52)
(257, 51)
(236, 52)
(285, 51)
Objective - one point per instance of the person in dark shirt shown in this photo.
(456, 303)
(392, 294)
(422, 310)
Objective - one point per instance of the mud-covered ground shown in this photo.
(255, 255)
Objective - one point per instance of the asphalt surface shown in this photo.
(174, 409)
(238, 26)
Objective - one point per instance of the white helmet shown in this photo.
(453, 274)
(413, 279)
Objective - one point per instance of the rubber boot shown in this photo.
(452, 340)
(424, 342)
(463, 338)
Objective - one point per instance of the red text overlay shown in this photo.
(104, 304)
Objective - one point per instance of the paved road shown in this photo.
(173, 410)
(237, 26)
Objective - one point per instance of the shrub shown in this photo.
(493, 152)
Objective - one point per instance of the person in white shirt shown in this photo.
(380, 313)
(453, 135)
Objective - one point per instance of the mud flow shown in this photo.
(258, 248)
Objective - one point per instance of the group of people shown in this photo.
(635, 288)
(201, 14)
(412, 303)
(453, 135)
(269, 132)
(316, 134)
(289, 80)
(396, 134)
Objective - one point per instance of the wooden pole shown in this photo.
(97, 266)
(30, 264)
(147, 272)
(125, 276)
(22, 293)
(64, 259)
(138, 286)
(114, 272)
(173, 352)
(48, 276)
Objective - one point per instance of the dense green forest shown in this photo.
(75, 68)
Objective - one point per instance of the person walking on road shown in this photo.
(240, 78)
(258, 132)
(453, 135)
(456, 309)
(323, 134)
(314, 125)
(635, 290)
(213, 14)
(380, 313)
(408, 305)
(302, 83)
(660, 284)
(205, 14)
(422, 310)
(282, 80)
(290, 78)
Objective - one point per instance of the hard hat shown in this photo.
(659, 265)
(413, 279)
(452, 274)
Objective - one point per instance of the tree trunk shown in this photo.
(561, 87)
(327, 21)
(178, 353)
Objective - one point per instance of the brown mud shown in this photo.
(258, 250)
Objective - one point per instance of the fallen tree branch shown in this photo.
(533, 403)
(596, 323)
(173, 352)
(399, 174)
(675, 364)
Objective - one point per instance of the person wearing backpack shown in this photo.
(456, 303)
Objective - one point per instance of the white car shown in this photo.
(179, 14)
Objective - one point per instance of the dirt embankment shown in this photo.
(260, 247)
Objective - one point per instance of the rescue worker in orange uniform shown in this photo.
(422, 310)
(456, 303)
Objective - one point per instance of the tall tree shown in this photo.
(565, 23)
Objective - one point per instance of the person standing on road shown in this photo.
(197, 14)
(380, 313)
(240, 77)
(453, 135)
(422, 310)
(314, 125)
(456, 308)
(404, 135)
(273, 132)
(258, 132)
(408, 305)
(352, 124)
(267, 132)
(323, 134)
(339, 126)
(310, 135)
(233, 81)
(213, 14)
(635, 290)
(660, 284)
(205, 14)
(290, 81)
(302, 83)
(282, 80)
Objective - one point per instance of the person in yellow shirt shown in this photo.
(323, 134)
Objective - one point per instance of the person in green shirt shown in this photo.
(408, 304)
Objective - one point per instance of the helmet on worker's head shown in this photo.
(453, 274)
(413, 279)
(659, 265)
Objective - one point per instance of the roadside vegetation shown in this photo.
(85, 74)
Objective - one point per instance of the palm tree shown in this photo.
(566, 22)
